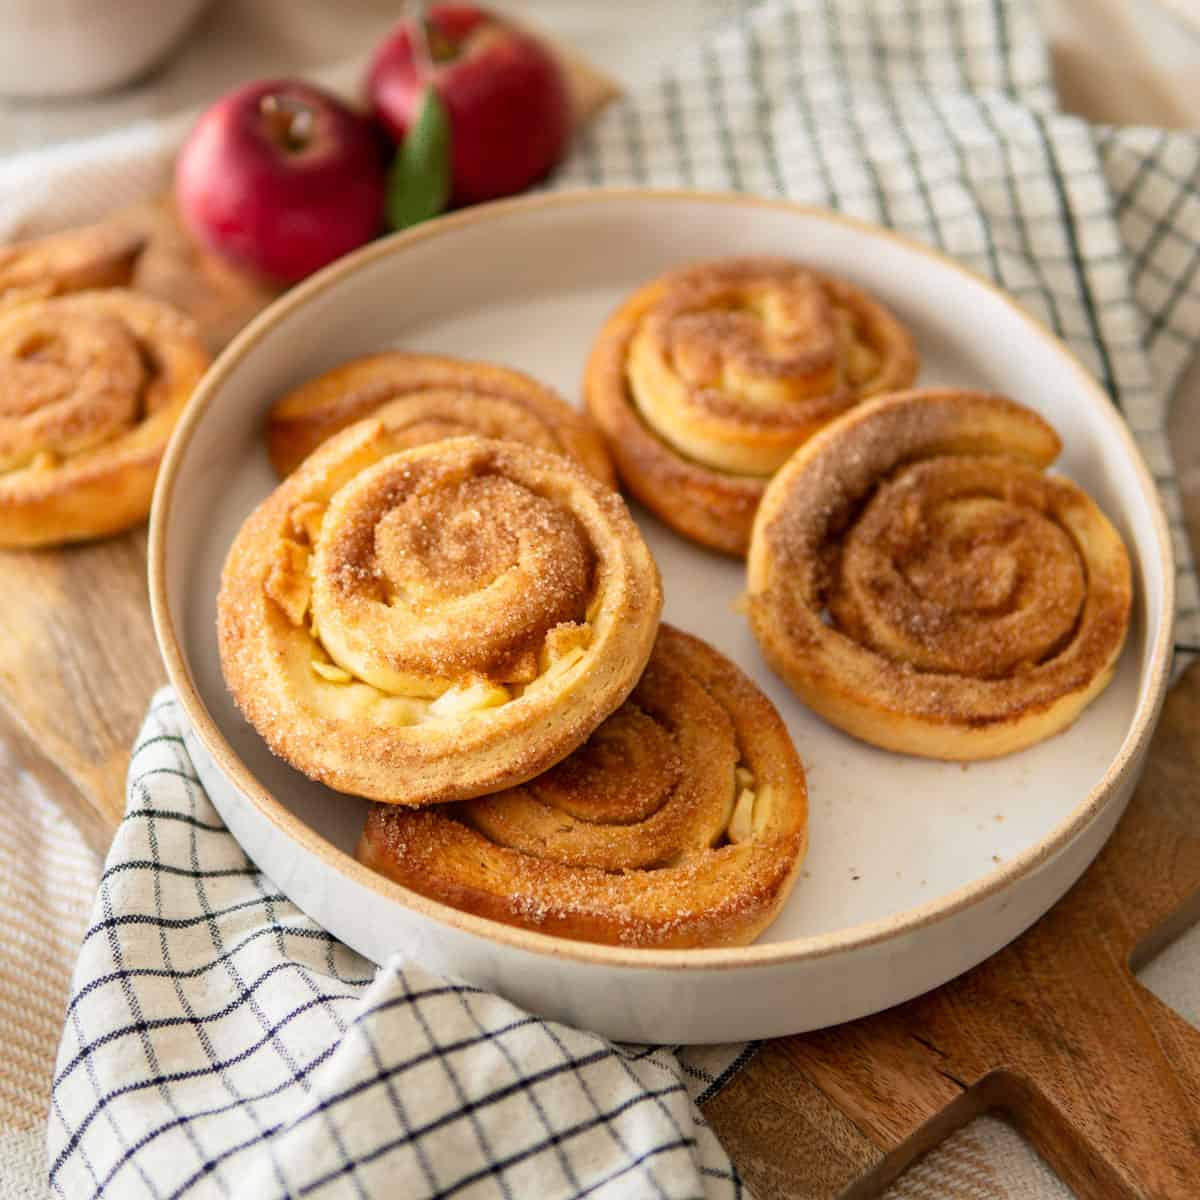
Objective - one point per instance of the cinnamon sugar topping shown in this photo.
(68, 382)
(921, 581)
(456, 616)
(734, 364)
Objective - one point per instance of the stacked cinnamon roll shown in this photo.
(447, 609)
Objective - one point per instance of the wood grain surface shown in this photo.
(1055, 1031)
(79, 661)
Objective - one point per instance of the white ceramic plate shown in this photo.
(916, 870)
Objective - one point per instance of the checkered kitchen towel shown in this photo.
(936, 117)
(218, 1043)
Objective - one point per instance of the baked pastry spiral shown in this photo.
(91, 386)
(921, 583)
(432, 622)
(98, 256)
(680, 822)
(439, 398)
(707, 379)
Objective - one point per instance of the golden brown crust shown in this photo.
(438, 397)
(681, 822)
(921, 583)
(91, 386)
(98, 256)
(429, 623)
(704, 381)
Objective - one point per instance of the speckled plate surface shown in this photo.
(916, 870)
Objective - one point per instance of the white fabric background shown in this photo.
(49, 875)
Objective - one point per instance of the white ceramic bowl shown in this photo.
(74, 47)
(917, 870)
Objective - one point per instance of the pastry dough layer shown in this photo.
(680, 822)
(705, 381)
(922, 583)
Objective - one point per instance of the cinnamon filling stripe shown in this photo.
(734, 364)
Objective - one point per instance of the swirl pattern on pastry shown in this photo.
(98, 256)
(681, 821)
(439, 398)
(706, 380)
(91, 386)
(921, 583)
(415, 624)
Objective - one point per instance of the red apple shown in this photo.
(504, 93)
(281, 178)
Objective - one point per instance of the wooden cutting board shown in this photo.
(1055, 1031)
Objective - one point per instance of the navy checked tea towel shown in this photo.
(217, 1043)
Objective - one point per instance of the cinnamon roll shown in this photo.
(98, 256)
(438, 398)
(680, 822)
(707, 379)
(922, 583)
(91, 386)
(414, 624)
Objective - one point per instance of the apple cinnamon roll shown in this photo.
(416, 624)
(431, 398)
(707, 379)
(680, 822)
(923, 584)
(98, 256)
(91, 386)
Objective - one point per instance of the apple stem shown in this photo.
(441, 48)
(421, 28)
(289, 120)
(430, 45)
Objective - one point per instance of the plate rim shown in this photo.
(795, 950)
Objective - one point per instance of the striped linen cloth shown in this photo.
(217, 1043)
(47, 882)
(937, 118)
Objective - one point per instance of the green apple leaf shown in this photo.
(419, 182)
